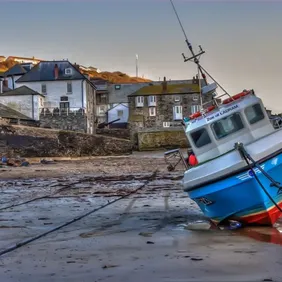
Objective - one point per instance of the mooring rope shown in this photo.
(27, 241)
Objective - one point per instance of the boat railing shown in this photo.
(217, 100)
(173, 158)
(276, 122)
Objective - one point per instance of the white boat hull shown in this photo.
(230, 162)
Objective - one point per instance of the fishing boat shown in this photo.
(239, 152)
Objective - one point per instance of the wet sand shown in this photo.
(66, 167)
(139, 238)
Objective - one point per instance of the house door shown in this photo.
(177, 113)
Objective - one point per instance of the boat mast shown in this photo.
(194, 57)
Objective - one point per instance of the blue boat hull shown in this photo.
(240, 197)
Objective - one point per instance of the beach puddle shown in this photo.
(263, 234)
(271, 235)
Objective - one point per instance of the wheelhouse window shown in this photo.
(227, 125)
(201, 137)
(254, 113)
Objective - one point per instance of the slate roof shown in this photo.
(125, 106)
(23, 90)
(185, 88)
(120, 96)
(15, 70)
(26, 67)
(6, 112)
(44, 71)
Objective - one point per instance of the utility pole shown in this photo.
(137, 65)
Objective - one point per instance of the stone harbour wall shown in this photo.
(38, 142)
(163, 139)
(75, 121)
(114, 132)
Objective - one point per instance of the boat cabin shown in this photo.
(215, 133)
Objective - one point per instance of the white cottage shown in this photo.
(60, 82)
(118, 113)
(23, 100)
(65, 88)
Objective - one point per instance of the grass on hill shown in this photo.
(112, 77)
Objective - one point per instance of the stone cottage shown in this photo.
(102, 99)
(156, 112)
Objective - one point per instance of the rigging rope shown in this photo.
(240, 147)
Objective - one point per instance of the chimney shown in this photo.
(56, 71)
(164, 85)
(1, 85)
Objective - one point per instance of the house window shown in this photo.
(195, 98)
(139, 101)
(69, 87)
(201, 137)
(44, 89)
(177, 98)
(166, 124)
(120, 113)
(103, 99)
(254, 113)
(194, 109)
(64, 103)
(117, 87)
(68, 71)
(152, 101)
(177, 113)
(227, 125)
(102, 110)
(152, 111)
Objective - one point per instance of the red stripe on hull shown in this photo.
(268, 217)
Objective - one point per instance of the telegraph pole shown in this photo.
(137, 57)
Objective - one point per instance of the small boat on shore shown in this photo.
(239, 152)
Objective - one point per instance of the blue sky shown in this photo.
(242, 38)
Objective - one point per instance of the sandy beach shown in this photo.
(146, 236)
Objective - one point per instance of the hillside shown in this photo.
(112, 77)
